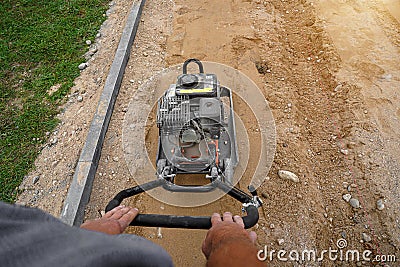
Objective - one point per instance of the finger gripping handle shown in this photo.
(112, 204)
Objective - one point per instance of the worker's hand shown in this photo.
(113, 222)
(229, 229)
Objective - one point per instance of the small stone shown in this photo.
(98, 35)
(380, 205)
(356, 219)
(159, 234)
(35, 179)
(280, 241)
(344, 151)
(349, 188)
(145, 54)
(366, 237)
(387, 77)
(131, 81)
(343, 234)
(354, 203)
(287, 175)
(88, 42)
(346, 197)
(351, 145)
(54, 141)
(272, 226)
(79, 98)
(82, 66)
(264, 195)
(116, 159)
(338, 87)
(93, 50)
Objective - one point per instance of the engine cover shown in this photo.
(199, 84)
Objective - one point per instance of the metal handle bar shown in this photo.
(201, 69)
(189, 222)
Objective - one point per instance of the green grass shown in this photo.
(42, 42)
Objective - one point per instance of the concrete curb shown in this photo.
(81, 185)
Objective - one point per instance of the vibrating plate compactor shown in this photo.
(197, 135)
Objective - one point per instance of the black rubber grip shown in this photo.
(201, 69)
(189, 222)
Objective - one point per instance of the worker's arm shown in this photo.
(31, 237)
(228, 244)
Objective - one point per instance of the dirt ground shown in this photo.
(329, 71)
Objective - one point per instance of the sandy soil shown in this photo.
(329, 70)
